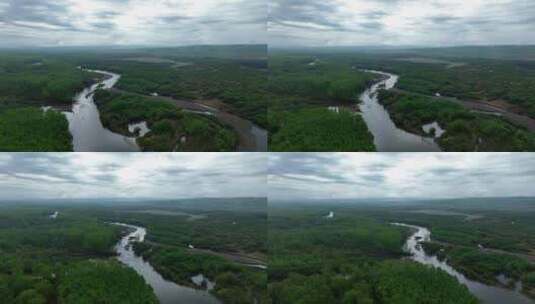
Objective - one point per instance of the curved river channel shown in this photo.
(88, 133)
(486, 293)
(387, 137)
(167, 292)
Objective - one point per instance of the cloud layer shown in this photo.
(131, 22)
(400, 175)
(131, 175)
(401, 22)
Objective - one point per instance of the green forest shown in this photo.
(348, 259)
(228, 78)
(45, 260)
(357, 256)
(465, 130)
(28, 82)
(305, 130)
(301, 88)
(33, 130)
(168, 124)
(71, 258)
(236, 227)
(236, 83)
(319, 77)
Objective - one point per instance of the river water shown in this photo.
(88, 133)
(167, 292)
(387, 137)
(486, 293)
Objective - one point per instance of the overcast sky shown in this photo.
(401, 22)
(400, 175)
(130, 175)
(131, 22)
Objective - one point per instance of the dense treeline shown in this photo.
(461, 73)
(40, 79)
(512, 81)
(31, 129)
(213, 227)
(238, 230)
(27, 82)
(319, 129)
(103, 281)
(234, 284)
(70, 258)
(239, 83)
(298, 86)
(482, 238)
(348, 259)
(465, 131)
(171, 128)
(480, 265)
(312, 79)
(233, 78)
(298, 77)
(63, 260)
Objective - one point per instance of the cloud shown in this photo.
(131, 175)
(400, 175)
(400, 22)
(131, 22)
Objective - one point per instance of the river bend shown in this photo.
(388, 137)
(486, 293)
(167, 292)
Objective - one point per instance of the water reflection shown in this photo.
(167, 292)
(487, 294)
(387, 137)
(89, 135)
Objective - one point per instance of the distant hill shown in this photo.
(503, 52)
(486, 52)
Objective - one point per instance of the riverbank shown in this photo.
(85, 125)
(486, 293)
(192, 276)
(250, 136)
(464, 130)
(33, 129)
(167, 292)
(387, 136)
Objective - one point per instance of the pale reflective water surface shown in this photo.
(387, 137)
(486, 293)
(167, 292)
(89, 135)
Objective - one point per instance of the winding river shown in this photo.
(486, 293)
(167, 292)
(387, 137)
(88, 133)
